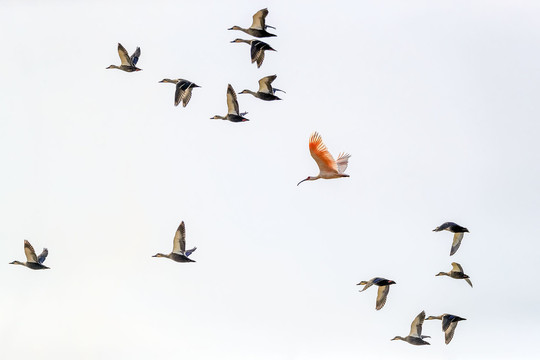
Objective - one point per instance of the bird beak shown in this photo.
(302, 181)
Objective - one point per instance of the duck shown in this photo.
(266, 92)
(384, 288)
(458, 231)
(183, 90)
(449, 323)
(179, 252)
(257, 49)
(258, 27)
(456, 273)
(33, 261)
(415, 337)
(233, 112)
(128, 62)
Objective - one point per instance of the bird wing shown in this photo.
(190, 251)
(381, 296)
(29, 252)
(232, 102)
(446, 321)
(265, 84)
(342, 162)
(183, 91)
(456, 267)
(259, 19)
(468, 281)
(257, 53)
(321, 155)
(449, 332)
(179, 242)
(135, 57)
(41, 258)
(456, 243)
(124, 57)
(416, 325)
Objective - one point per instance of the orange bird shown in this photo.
(328, 167)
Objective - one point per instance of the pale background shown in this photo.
(437, 101)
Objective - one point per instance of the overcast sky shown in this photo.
(437, 101)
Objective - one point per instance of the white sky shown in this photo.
(437, 101)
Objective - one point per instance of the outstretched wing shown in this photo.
(135, 57)
(456, 267)
(41, 258)
(232, 102)
(449, 332)
(416, 325)
(179, 242)
(259, 19)
(257, 53)
(456, 243)
(321, 155)
(265, 84)
(342, 162)
(29, 252)
(124, 56)
(381, 296)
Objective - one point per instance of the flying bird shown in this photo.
(458, 234)
(449, 323)
(456, 273)
(179, 252)
(33, 261)
(257, 50)
(183, 90)
(382, 293)
(266, 91)
(258, 27)
(415, 337)
(128, 62)
(233, 111)
(328, 167)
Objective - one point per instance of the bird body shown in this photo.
(265, 92)
(458, 231)
(382, 293)
(449, 323)
(257, 50)
(127, 62)
(328, 167)
(33, 261)
(183, 90)
(258, 26)
(179, 252)
(233, 110)
(456, 273)
(415, 336)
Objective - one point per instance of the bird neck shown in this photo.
(18, 263)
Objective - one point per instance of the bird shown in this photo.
(266, 92)
(384, 288)
(458, 234)
(449, 323)
(32, 261)
(258, 27)
(257, 50)
(179, 252)
(183, 90)
(456, 273)
(128, 62)
(328, 167)
(233, 112)
(415, 337)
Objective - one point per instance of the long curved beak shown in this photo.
(302, 181)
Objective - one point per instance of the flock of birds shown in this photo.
(449, 321)
(329, 168)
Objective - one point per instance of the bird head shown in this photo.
(235, 28)
(440, 274)
(306, 179)
(158, 255)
